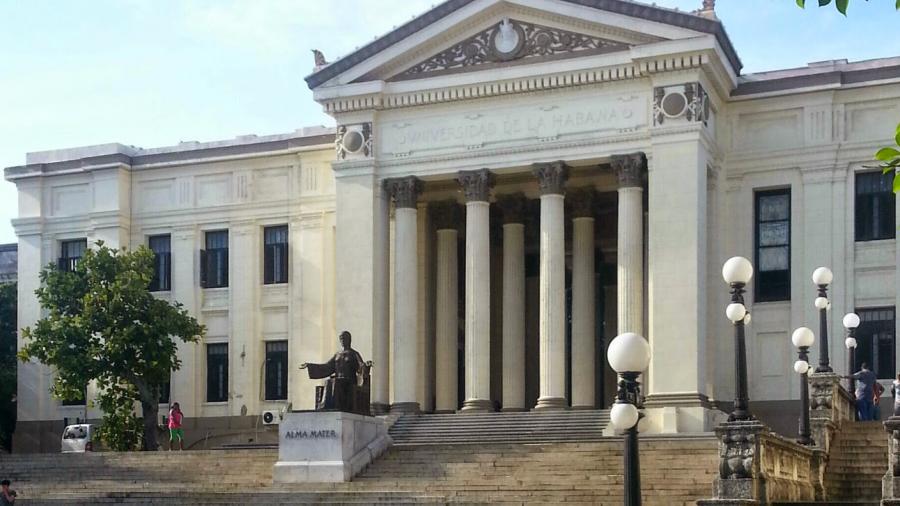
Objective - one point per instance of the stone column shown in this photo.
(405, 193)
(629, 171)
(583, 318)
(513, 209)
(552, 178)
(476, 185)
(446, 217)
(380, 393)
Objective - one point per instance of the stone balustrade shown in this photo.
(757, 466)
(890, 484)
(829, 405)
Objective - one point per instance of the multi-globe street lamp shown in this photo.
(822, 277)
(851, 322)
(803, 338)
(737, 272)
(629, 355)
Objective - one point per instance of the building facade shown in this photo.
(511, 183)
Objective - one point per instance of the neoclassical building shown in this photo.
(511, 183)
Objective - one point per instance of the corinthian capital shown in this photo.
(629, 169)
(404, 190)
(551, 177)
(476, 184)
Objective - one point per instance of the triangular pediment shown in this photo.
(468, 36)
(510, 40)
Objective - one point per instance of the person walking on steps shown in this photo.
(865, 392)
(7, 496)
(175, 430)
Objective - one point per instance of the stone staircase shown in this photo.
(676, 471)
(857, 463)
(504, 427)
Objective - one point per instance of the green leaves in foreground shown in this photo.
(840, 5)
(890, 160)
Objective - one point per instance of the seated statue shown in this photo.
(347, 385)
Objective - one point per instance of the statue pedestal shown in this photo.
(327, 446)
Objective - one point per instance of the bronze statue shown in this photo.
(347, 386)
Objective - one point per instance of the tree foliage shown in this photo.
(840, 5)
(7, 363)
(104, 325)
(890, 160)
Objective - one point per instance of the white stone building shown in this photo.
(511, 184)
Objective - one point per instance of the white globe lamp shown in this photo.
(851, 320)
(803, 337)
(623, 416)
(822, 276)
(737, 270)
(850, 343)
(628, 352)
(801, 366)
(821, 303)
(735, 312)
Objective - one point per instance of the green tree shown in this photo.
(890, 160)
(104, 325)
(840, 5)
(7, 363)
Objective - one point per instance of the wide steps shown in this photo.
(857, 462)
(504, 427)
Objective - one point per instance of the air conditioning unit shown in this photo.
(271, 417)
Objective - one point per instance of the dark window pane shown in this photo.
(775, 233)
(275, 269)
(217, 372)
(875, 207)
(215, 260)
(70, 252)
(773, 245)
(876, 338)
(162, 263)
(165, 392)
(276, 370)
(774, 259)
(773, 207)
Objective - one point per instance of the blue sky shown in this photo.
(156, 72)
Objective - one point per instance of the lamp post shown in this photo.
(737, 272)
(628, 355)
(822, 278)
(851, 322)
(803, 338)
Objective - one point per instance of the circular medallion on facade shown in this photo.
(673, 104)
(507, 40)
(352, 141)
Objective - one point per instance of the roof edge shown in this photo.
(624, 7)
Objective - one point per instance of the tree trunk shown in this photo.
(151, 412)
(150, 408)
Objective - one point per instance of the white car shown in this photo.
(78, 438)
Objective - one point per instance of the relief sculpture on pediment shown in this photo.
(511, 40)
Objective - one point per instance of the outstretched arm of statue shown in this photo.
(304, 365)
(370, 364)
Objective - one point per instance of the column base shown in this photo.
(405, 407)
(672, 413)
(477, 405)
(514, 410)
(551, 403)
(379, 408)
(583, 408)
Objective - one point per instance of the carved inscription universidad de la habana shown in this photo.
(481, 128)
